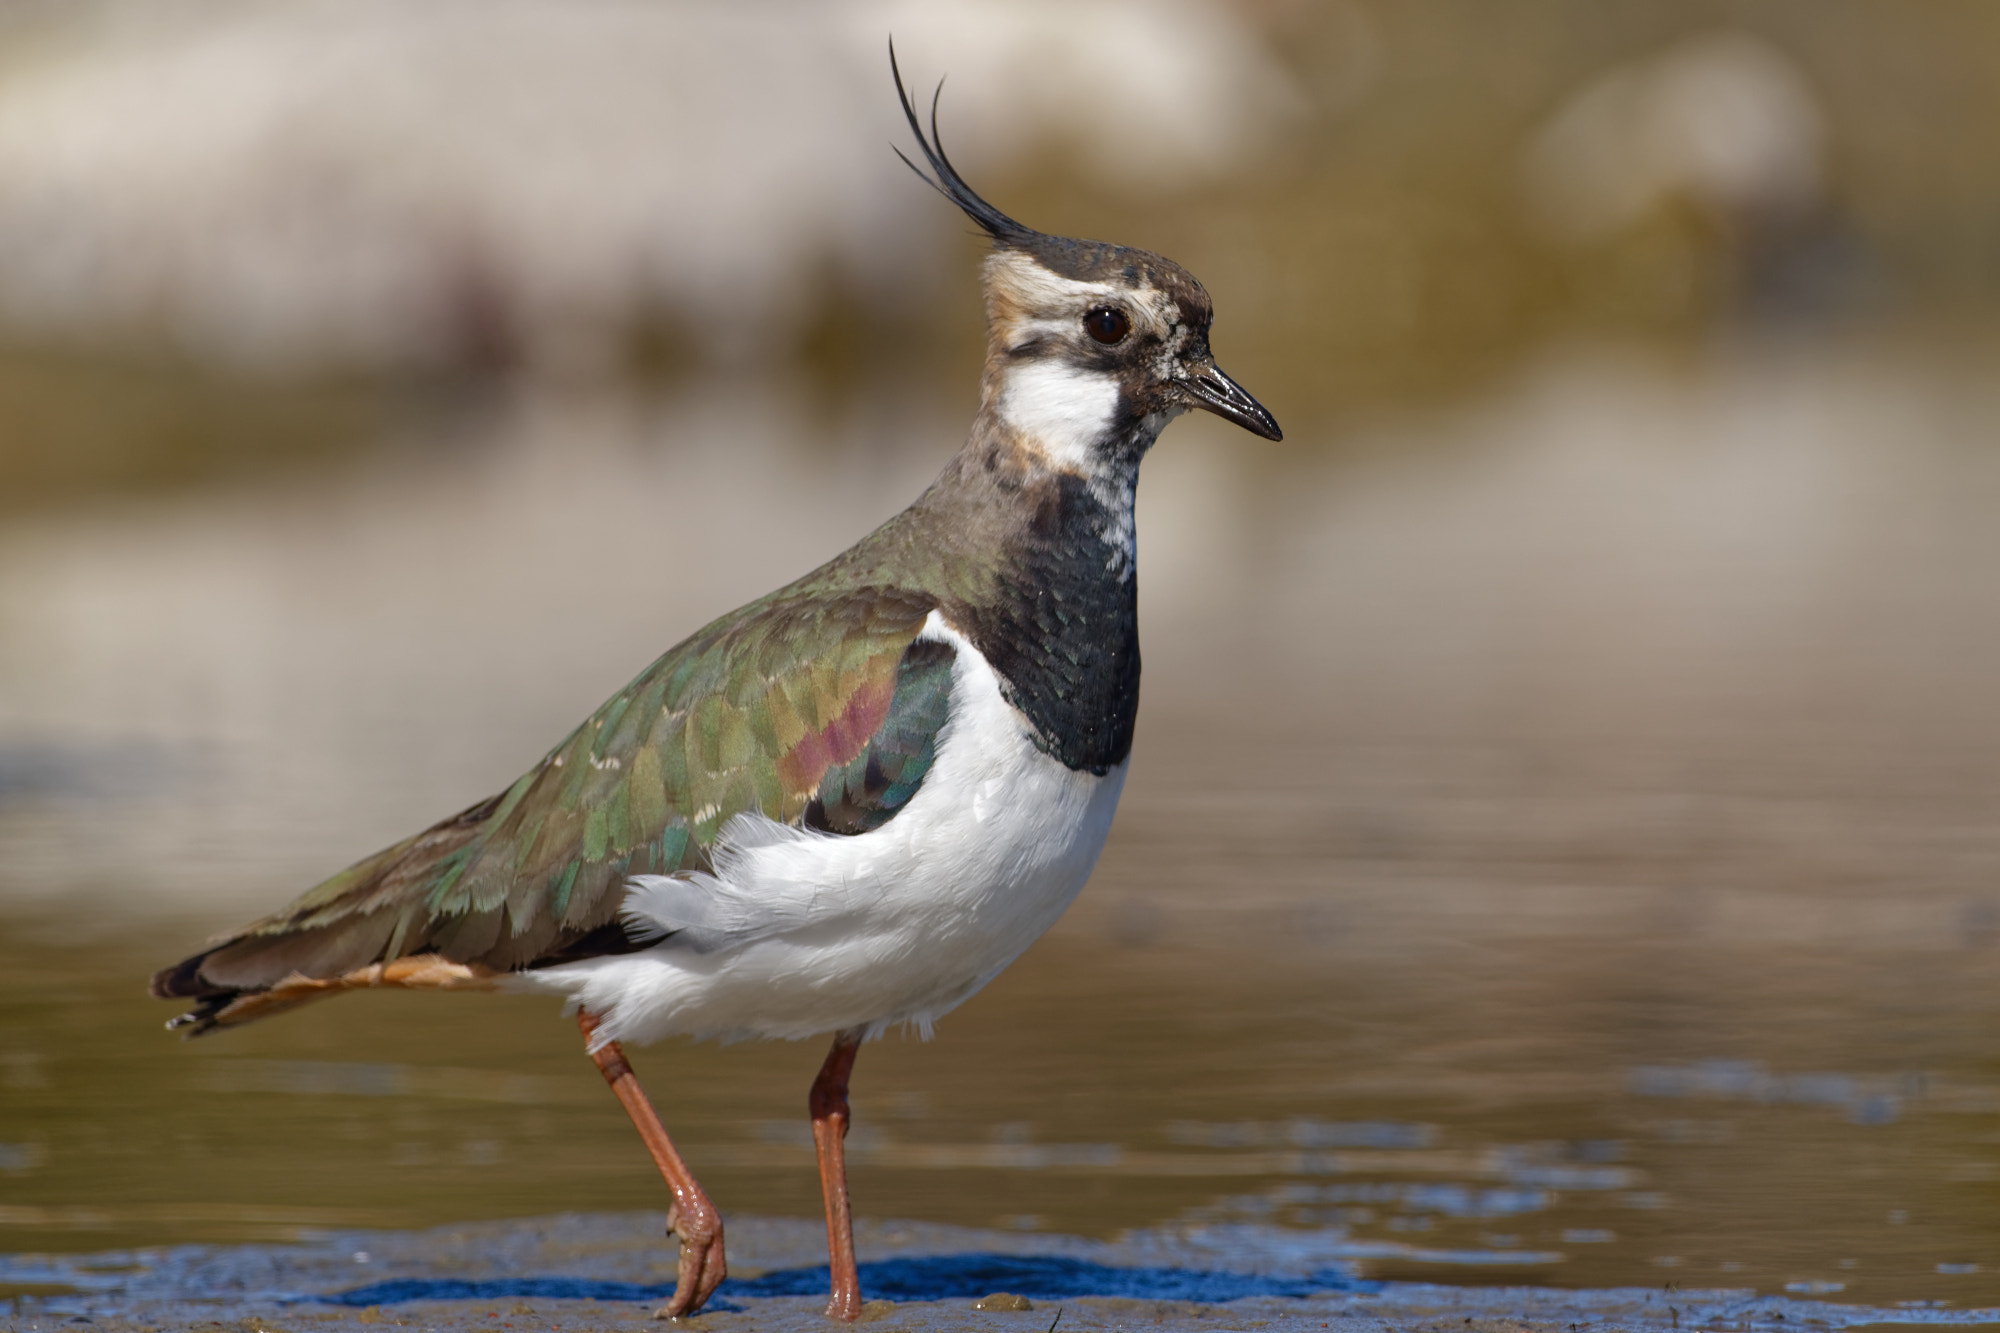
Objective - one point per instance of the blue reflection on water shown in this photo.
(927, 1278)
(1750, 1080)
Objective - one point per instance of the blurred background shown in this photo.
(1561, 843)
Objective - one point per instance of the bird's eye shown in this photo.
(1107, 324)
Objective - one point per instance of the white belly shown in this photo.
(800, 933)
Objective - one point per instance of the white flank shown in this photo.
(800, 933)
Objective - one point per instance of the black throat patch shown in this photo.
(1062, 630)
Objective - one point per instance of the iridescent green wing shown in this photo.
(824, 712)
(869, 789)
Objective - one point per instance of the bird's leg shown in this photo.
(693, 1218)
(829, 1117)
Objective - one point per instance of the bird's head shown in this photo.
(1091, 347)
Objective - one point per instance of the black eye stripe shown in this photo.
(1107, 324)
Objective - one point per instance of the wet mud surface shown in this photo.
(584, 1272)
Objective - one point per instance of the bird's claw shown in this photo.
(702, 1263)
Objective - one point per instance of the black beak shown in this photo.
(1213, 391)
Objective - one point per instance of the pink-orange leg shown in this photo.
(829, 1117)
(692, 1217)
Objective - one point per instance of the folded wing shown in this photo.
(818, 714)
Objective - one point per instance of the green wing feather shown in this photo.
(814, 710)
(868, 790)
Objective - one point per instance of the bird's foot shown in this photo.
(844, 1305)
(702, 1266)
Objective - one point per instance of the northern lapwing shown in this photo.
(848, 805)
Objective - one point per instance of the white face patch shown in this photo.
(1060, 410)
(1056, 407)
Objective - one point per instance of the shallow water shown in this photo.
(1502, 1113)
(1560, 847)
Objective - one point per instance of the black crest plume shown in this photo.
(947, 182)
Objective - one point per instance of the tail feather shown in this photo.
(372, 925)
(344, 934)
(228, 1008)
